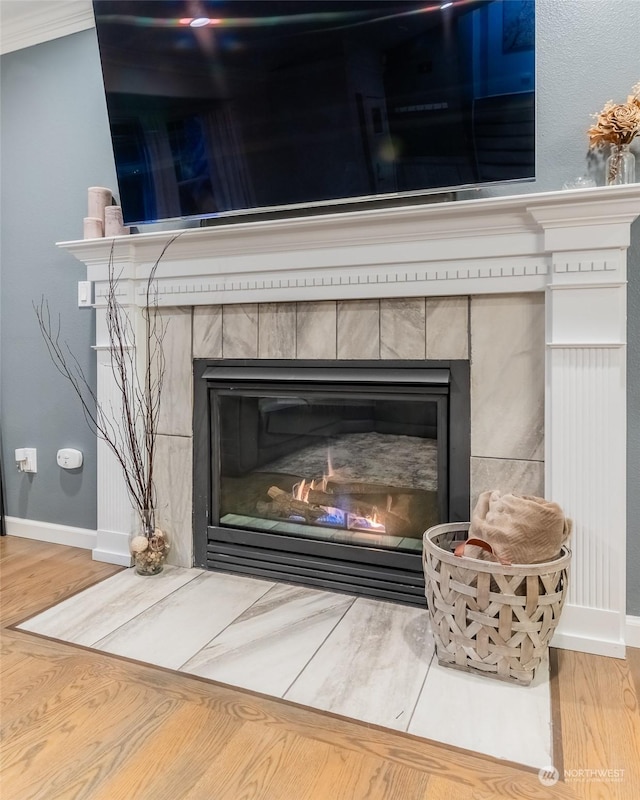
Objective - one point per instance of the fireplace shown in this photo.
(530, 288)
(327, 473)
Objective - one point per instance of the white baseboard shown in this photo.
(51, 532)
(591, 630)
(584, 644)
(108, 546)
(111, 558)
(632, 631)
(112, 547)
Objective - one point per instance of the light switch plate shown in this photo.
(84, 293)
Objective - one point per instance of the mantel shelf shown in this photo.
(500, 244)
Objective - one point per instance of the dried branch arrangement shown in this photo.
(138, 370)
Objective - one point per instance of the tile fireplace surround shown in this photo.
(531, 288)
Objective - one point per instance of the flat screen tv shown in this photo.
(228, 107)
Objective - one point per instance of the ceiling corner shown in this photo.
(28, 22)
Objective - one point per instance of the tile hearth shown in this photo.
(368, 660)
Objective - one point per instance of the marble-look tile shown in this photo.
(94, 613)
(277, 330)
(188, 619)
(507, 376)
(174, 493)
(519, 477)
(373, 665)
(359, 329)
(207, 332)
(267, 646)
(240, 331)
(316, 330)
(448, 327)
(402, 328)
(470, 711)
(176, 406)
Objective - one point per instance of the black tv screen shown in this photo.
(237, 106)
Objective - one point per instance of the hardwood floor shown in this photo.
(79, 724)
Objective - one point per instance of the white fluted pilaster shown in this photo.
(116, 517)
(585, 431)
(115, 514)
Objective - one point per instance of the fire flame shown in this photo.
(374, 522)
(300, 492)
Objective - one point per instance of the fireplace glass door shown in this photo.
(334, 469)
(360, 468)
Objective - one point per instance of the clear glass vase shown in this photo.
(149, 548)
(621, 166)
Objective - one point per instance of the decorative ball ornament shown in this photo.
(139, 544)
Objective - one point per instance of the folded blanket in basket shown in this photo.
(521, 529)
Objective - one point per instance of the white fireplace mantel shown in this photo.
(570, 245)
(471, 247)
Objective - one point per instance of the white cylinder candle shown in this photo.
(113, 222)
(99, 198)
(93, 228)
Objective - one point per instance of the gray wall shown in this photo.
(55, 143)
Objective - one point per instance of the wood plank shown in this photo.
(633, 660)
(600, 724)
(12, 556)
(149, 772)
(36, 575)
(329, 771)
(442, 789)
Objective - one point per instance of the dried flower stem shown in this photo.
(134, 442)
(614, 164)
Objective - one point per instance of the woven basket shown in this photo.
(487, 617)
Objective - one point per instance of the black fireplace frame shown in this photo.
(351, 568)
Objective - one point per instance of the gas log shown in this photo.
(346, 499)
(288, 505)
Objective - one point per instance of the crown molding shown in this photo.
(29, 22)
